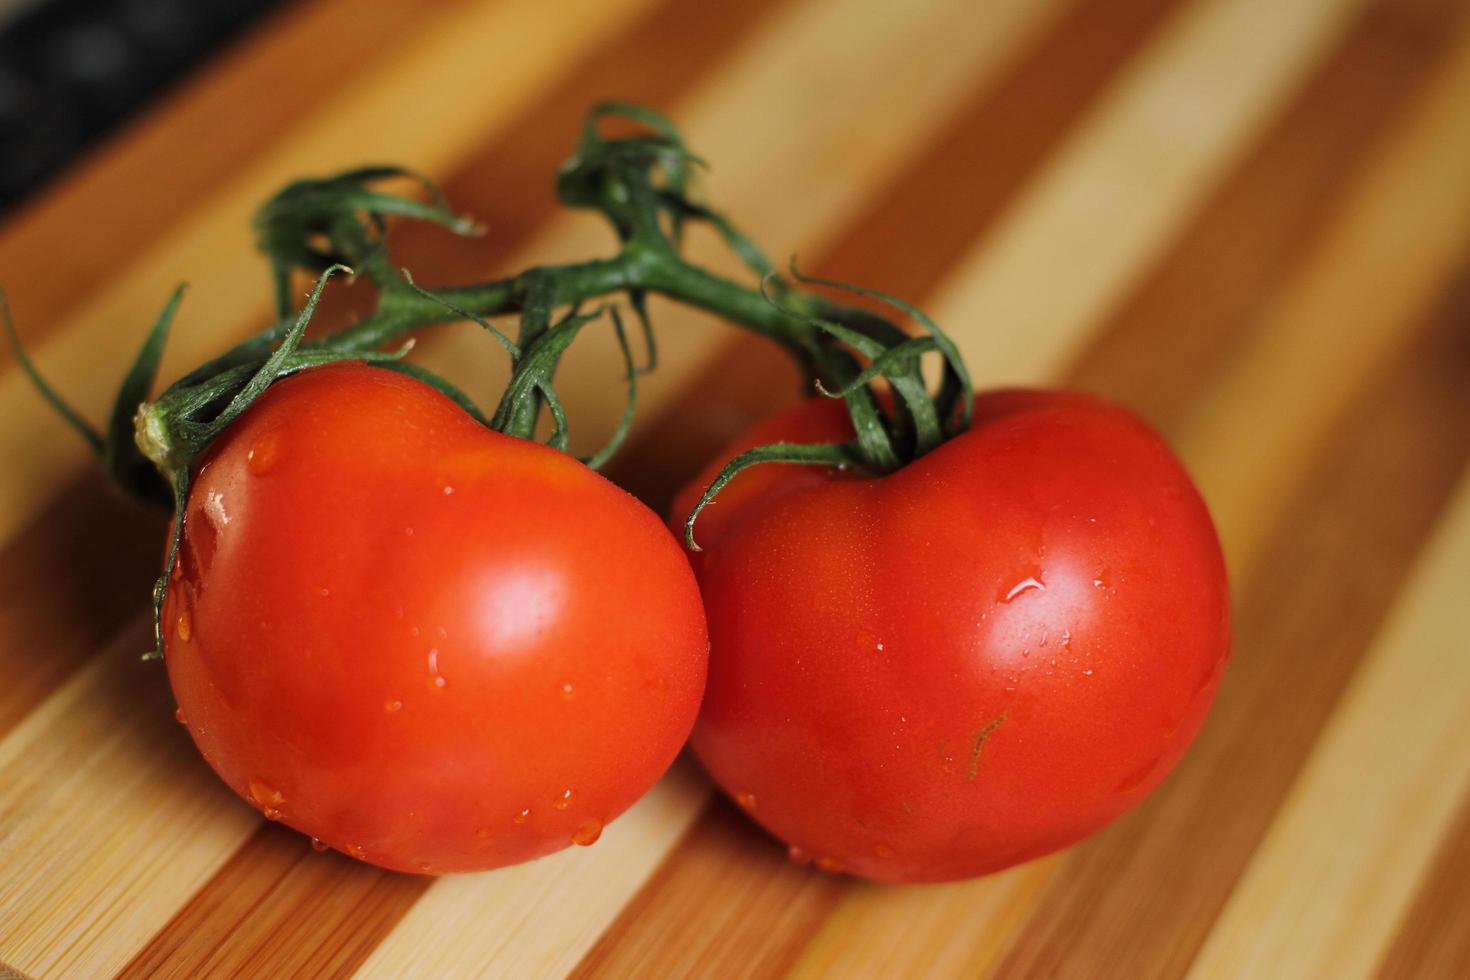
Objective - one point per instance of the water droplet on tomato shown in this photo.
(393, 707)
(1087, 672)
(882, 851)
(1097, 583)
(448, 490)
(356, 851)
(587, 834)
(434, 660)
(798, 855)
(831, 865)
(264, 455)
(317, 844)
(436, 683)
(179, 717)
(567, 691)
(563, 801)
(1067, 639)
(1027, 584)
(484, 833)
(746, 799)
(178, 570)
(880, 646)
(184, 626)
(425, 867)
(522, 816)
(266, 796)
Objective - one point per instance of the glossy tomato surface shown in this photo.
(426, 644)
(975, 660)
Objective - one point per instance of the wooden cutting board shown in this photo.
(1248, 219)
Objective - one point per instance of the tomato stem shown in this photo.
(642, 184)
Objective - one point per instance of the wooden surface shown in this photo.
(1248, 219)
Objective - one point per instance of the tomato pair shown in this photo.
(439, 648)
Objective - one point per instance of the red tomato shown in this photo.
(429, 645)
(975, 660)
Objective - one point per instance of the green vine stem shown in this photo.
(643, 184)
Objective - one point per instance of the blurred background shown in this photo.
(1248, 220)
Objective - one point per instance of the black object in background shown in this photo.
(72, 70)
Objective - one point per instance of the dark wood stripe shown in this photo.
(68, 583)
(1206, 300)
(277, 907)
(911, 234)
(1140, 899)
(252, 918)
(136, 187)
(1434, 938)
(751, 910)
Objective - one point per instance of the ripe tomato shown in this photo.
(429, 645)
(975, 660)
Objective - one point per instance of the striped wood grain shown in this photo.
(1247, 219)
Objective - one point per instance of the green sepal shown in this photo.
(120, 458)
(94, 439)
(598, 459)
(836, 454)
(957, 385)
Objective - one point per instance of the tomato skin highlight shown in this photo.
(968, 663)
(418, 640)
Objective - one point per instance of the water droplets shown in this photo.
(393, 706)
(831, 865)
(485, 833)
(523, 815)
(184, 626)
(265, 454)
(436, 679)
(746, 799)
(425, 867)
(880, 646)
(798, 855)
(267, 797)
(586, 835)
(318, 845)
(567, 692)
(563, 801)
(356, 851)
(179, 717)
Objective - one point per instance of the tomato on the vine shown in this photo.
(977, 659)
(424, 643)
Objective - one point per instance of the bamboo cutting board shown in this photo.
(1247, 219)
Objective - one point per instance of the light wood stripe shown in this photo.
(105, 806)
(1113, 199)
(1432, 939)
(400, 112)
(1387, 777)
(1198, 309)
(1387, 257)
